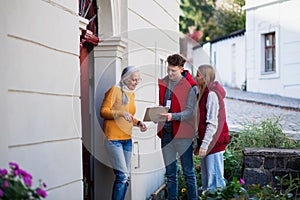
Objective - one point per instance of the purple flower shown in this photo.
(14, 165)
(41, 192)
(5, 184)
(25, 174)
(3, 172)
(27, 180)
(16, 172)
(242, 181)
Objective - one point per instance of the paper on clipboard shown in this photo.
(153, 114)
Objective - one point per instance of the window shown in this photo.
(270, 64)
(88, 9)
(162, 67)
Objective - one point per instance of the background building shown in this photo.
(227, 55)
(272, 46)
(263, 58)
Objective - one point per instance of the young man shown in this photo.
(178, 92)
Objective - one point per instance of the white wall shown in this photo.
(40, 104)
(153, 34)
(131, 34)
(281, 17)
(201, 55)
(228, 58)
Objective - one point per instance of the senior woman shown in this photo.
(117, 110)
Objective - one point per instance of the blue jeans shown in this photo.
(119, 153)
(183, 147)
(212, 171)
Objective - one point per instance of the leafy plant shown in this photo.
(16, 184)
(287, 188)
(267, 133)
(233, 189)
(232, 164)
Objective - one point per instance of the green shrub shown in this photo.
(287, 188)
(267, 134)
(233, 189)
(232, 164)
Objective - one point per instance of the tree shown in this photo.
(212, 21)
(196, 14)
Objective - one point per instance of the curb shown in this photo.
(265, 103)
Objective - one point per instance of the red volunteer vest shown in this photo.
(217, 144)
(181, 129)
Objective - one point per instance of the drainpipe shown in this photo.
(245, 62)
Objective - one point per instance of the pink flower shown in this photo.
(16, 172)
(14, 165)
(5, 184)
(3, 172)
(17, 175)
(41, 192)
(242, 181)
(25, 174)
(27, 180)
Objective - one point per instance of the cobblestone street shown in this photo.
(241, 112)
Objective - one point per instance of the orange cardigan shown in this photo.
(112, 111)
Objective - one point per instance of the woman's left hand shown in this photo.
(202, 152)
(142, 127)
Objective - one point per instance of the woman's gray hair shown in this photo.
(127, 72)
(125, 75)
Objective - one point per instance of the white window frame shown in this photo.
(262, 73)
(162, 66)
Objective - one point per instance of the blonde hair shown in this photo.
(208, 73)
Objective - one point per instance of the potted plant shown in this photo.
(17, 184)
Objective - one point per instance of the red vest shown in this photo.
(181, 129)
(221, 137)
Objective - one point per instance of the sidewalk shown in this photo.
(290, 104)
(265, 99)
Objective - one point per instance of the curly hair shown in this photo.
(176, 60)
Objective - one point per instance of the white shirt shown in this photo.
(212, 106)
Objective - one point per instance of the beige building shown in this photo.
(54, 75)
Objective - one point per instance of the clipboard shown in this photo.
(153, 114)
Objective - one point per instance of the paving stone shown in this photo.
(243, 108)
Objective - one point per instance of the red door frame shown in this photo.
(87, 9)
(88, 41)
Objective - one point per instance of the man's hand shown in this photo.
(168, 116)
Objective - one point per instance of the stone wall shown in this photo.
(261, 165)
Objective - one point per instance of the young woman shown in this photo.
(212, 128)
(118, 109)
